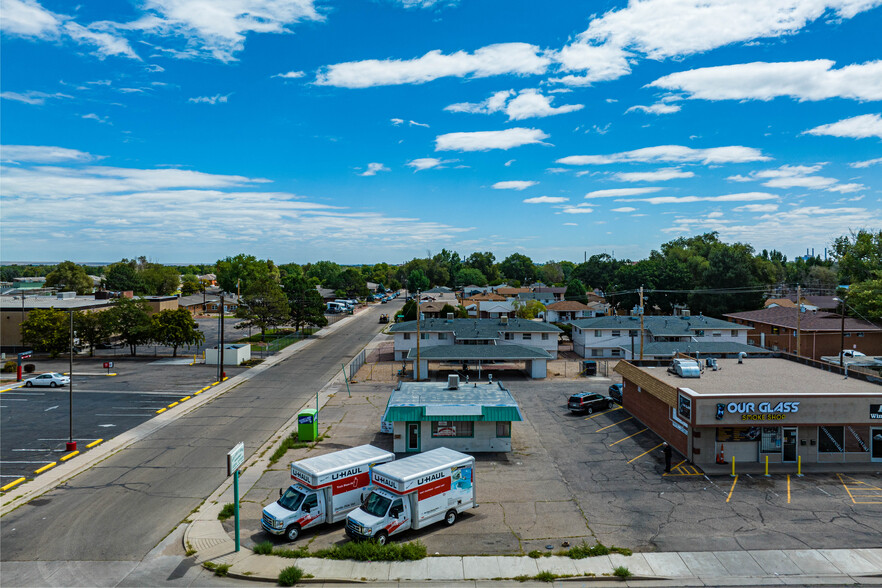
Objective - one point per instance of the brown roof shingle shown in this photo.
(809, 321)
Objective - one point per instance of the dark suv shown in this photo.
(589, 402)
(615, 392)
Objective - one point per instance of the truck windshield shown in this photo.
(376, 505)
(291, 499)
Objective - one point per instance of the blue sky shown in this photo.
(366, 131)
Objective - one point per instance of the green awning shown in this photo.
(418, 413)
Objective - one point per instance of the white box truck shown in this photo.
(326, 489)
(415, 492)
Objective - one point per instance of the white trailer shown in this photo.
(415, 492)
(326, 489)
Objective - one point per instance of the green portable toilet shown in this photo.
(307, 425)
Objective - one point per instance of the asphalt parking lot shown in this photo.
(35, 422)
(600, 477)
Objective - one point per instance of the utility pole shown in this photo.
(417, 370)
(220, 341)
(641, 322)
(798, 317)
(842, 334)
(71, 444)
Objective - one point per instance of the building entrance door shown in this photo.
(413, 437)
(876, 444)
(789, 444)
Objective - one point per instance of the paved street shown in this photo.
(120, 509)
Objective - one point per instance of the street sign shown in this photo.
(235, 458)
(108, 365)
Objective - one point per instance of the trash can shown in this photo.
(307, 425)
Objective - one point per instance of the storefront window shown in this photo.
(503, 429)
(453, 429)
(771, 440)
(830, 439)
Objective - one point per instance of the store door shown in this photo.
(876, 444)
(789, 444)
(413, 437)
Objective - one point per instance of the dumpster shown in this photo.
(307, 425)
(589, 367)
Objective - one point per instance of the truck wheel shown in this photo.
(450, 517)
(382, 538)
(293, 532)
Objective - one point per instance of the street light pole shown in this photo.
(417, 370)
(71, 444)
(842, 334)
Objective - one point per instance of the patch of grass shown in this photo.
(622, 572)
(371, 551)
(290, 576)
(535, 554)
(301, 551)
(522, 578)
(190, 551)
(219, 569)
(584, 550)
(544, 577)
(289, 442)
(227, 511)
(263, 548)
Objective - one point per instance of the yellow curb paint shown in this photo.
(161, 410)
(185, 398)
(11, 484)
(173, 404)
(111, 374)
(225, 378)
(12, 388)
(69, 455)
(46, 467)
(197, 393)
(94, 443)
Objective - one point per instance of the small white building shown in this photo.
(464, 417)
(234, 354)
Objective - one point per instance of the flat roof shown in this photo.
(8, 303)
(766, 375)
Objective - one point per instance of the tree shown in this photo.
(409, 310)
(305, 304)
(160, 280)
(866, 298)
(236, 274)
(518, 266)
(484, 263)
(552, 273)
(175, 328)
(349, 281)
(47, 329)
(417, 280)
(92, 328)
(576, 291)
(263, 306)
(858, 255)
(70, 276)
(123, 276)
(468, 276)
(190, 284)
(448, 309)
(528, 309)
(131, 319)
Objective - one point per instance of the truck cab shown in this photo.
(382, 514)
(298, 508)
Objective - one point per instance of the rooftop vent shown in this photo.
(453, 382)
(449, 317)
(66, 295)
(503, 320)
(685, 368)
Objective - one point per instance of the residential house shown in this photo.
(557, 291)
(569, 310)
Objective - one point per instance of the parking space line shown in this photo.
(69, 455)
(788, 488)
(94, 443)
(645, 452)
(732, 489)
(594, 416)
(614, 424)
(628, 437)
(865, 487)
(46, 467)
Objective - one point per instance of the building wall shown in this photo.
(10, 324)
(655, 414)
(585, 340)
(403, 346)
(484, 440)
(812, 344)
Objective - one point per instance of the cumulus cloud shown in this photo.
(658, 108)
(743, 197)
(578, 209)
(756, 208)
(672, 153)
(797, 176)
(867, 163)
(32, 97)
(546, 200)
(291, 75)
(518, 106)
(514, 185)
(620, 192)
(216, 99)
(40, 154)
(486, 140)
(373, 168)
(26, 18)
(660, 175)
(598, 62)
(857, 127)
(624, 209)
(801, 80)
(492, 60)
(429, 163)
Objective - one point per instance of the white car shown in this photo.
(51, 379)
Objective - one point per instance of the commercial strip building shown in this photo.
(465, 417)
(778, 408)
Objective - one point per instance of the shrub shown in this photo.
(221, 570)
(10, 366)
(290, 442)
(264, 548)
(227, 511)
(290, 576)
(301, 551)
(29, 368)
(622, 572)
(584, 550)
(544, 577)
(535, 554)
(372, 551)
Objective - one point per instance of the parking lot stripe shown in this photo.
(628, 437)
(614, 424)
(732, 489)
(866, 487)
(645, 452)
(788, 488)
(161, 410)
(94, 443)
(46, 467)
(13, 483)
(69, 455)
(602, 413)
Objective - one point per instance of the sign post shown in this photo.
(107, 366)
(235, 458)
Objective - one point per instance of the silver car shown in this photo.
(51, 379)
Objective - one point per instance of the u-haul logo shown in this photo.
(299, 475)
(383, 480)
(345, 473)
(430, 478)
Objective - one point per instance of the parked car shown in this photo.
(51, 379)
(589, 402)
(615, 392)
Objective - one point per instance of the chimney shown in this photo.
(453, 382)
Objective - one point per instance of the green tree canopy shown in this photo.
(175, 328)
(236, 274)
(123, 276)
(92, 328)
(518, 266)
(576, 291)
(417, 280)
(866, 298)
(306, 306)
(130, 318)
(528, 309)
(190, 284)
(47, 329)
(485, 263)
(858, 255)
(468, 276)
(160, 280)
(69, 276)
(263, 306)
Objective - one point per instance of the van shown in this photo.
(326, 489)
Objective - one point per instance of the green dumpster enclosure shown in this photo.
(307, 425)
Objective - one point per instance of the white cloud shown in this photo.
(485, 140)
(756, 208)
(429, 163)
(40, 154)
(492, 60)
(847, 188)
(400, 121)
(528, 103)
(798, 176)
(32, 97)
(658, 108)
(858, 127)
(624, 209)
(578, 209)
(291, 75)
(743, 197)
(571, 224)
(546, 200)
(373, 168)
(26, 18)
(867, 163)
(106, 44)
(514, 185)
(672, 153)
(661, 175)
(599, 62)
(801, 80)
(509, 162)
(95, 117)
(216, 99)
(620, 192)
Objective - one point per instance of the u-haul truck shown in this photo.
(415, 492)
(326, 488)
